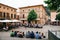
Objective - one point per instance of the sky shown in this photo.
(22, 3)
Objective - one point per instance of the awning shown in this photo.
(10, 21)
(26, 19)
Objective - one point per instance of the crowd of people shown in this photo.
(37, 35)
(33, 25)
(9, 26)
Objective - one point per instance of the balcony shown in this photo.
(26, 19)
(38, 19)
(7, 17)
(23, 18)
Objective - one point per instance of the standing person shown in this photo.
(32, 34)
(37, 35)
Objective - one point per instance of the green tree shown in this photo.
(47, 11)
(57, 17)
(32, 16)
(58, 10)
(53, 4)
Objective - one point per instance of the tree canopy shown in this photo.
(53, 4)
(57, 17)
(58, 10)
(32, 15)
(47, 11)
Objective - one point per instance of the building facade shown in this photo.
(42, 16)
(53, 15)
(7, 12)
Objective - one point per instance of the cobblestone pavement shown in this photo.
(6, 35)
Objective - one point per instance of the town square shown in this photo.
(30, 20)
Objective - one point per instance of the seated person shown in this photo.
(12, 34)
(31, 25)
(23, 34)
(26, 24)
(15, 33)
(5, 28)
(43, 36)
(35, 25)
(32, 35)
(20, 34)
(28, 34)
(40, 35)
(37, 35)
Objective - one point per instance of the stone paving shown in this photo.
(6, 35)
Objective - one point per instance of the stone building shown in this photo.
(7, 12)
(53, 15)
(42, 16)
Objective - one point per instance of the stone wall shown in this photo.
(51, 36)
